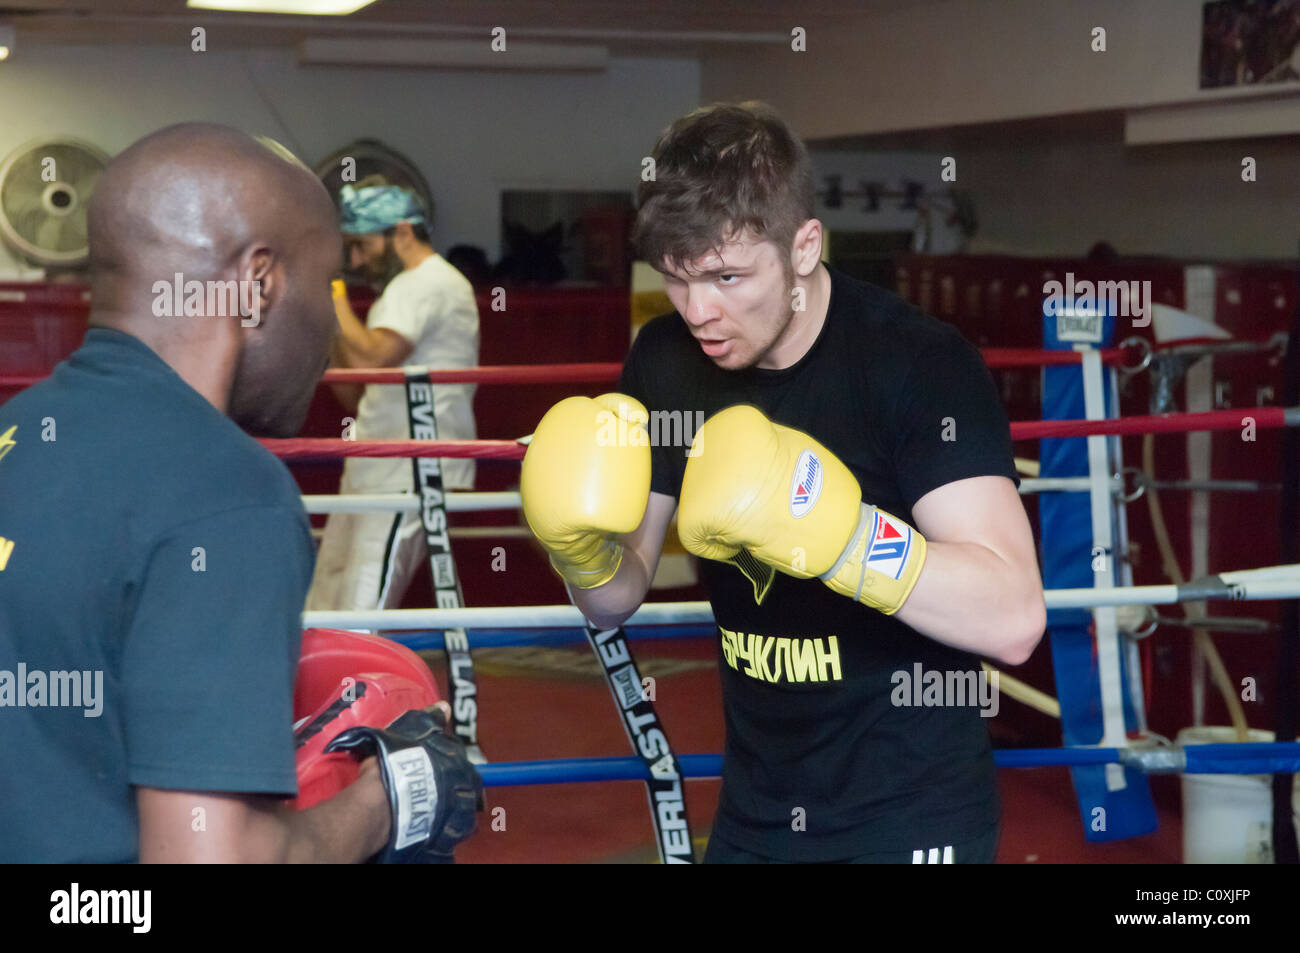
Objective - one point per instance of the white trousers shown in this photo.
(366, 561)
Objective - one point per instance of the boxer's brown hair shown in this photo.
(719, 171)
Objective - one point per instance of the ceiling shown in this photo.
(662, 27)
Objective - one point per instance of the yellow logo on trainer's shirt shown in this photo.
(7, 443)
(792, 661)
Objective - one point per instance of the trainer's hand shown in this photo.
(434, 792)
(585, 479)
(754, 488)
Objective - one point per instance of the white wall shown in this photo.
(961, 62)
(950, 69)
(471, 133)
(1064, 193)
(1062, 190)
(940, 64)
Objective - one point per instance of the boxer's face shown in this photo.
(284, 356)
(373, 256)
(737, 301)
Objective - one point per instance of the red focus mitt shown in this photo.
(348, 680)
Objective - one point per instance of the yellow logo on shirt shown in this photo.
(7, 441)
(6, 547)
(793, 661)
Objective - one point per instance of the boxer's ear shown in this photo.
(806, 250)
(259, 279)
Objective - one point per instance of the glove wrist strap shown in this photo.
(881, 563)
(593, 572)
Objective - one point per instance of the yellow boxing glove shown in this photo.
(585, 479)
(755, 490)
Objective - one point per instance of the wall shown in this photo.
(954, 68)
(1063, 193)
(472, 133)
(971, 61)
(938, 64)
(887, 168)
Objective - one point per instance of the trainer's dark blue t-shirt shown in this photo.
(154, 562)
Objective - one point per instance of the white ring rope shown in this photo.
(467, 502)
(1273, 582)
(457, 502)
(508, 617)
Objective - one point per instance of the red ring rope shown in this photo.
(997, 357)
(309, 448)
(487, 374)
(994, 357)
(1264, 417)
(303, 448)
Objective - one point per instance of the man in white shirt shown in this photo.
(426, 315)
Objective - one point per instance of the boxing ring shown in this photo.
(1112, 602)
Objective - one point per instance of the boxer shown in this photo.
(851, 495)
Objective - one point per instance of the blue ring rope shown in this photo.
(1255, 758)
(1247, 758)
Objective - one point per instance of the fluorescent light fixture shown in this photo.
(6, 41)
(450, 54)
(333, 8)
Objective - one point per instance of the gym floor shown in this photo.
(542, 703)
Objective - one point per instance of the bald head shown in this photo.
(194, 212)
(190, 197)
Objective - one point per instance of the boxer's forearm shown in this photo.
(348, 395)
(968, 597)
(355, 344)
(610, 605)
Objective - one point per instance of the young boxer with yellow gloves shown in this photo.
(852, 497)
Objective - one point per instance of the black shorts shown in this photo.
(979, 850)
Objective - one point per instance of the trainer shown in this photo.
(151, 601)
(852, 494)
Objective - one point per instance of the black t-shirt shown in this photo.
(819, 763)
(150, 605)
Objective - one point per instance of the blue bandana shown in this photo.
(377, 208)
